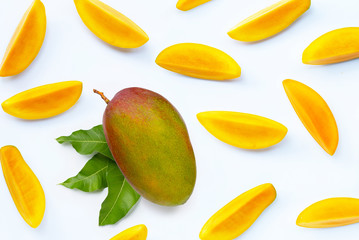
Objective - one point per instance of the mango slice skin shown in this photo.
(314, 113)
(243, 130)
(269, 21)
(333, 47)
(332, 212)
(238, 215)
(199, 61)
(45, 101)
(24, 187)
(138, 232)
(110, 25)
(151, 145)
(26, 42)
(186, 5)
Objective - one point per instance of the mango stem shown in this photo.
(102, 96)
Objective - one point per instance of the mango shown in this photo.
(138, 232)
(24, 187)
(186, 5)
(199, 61)
(26, 42)
(332, 212)
(243, 130)
(110, 25)
(269, 21)
(238, 215)
(314, 113)
(45, 101)
(335, 46)
(150, 143)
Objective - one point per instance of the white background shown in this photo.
(299, 169)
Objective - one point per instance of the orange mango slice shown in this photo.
(269, 21)
(332, 212)
(314, 113)
(336, 46)
(238, 215)
(24, 187)
(199, 61)
(44, 101)
(243, 130)
(110, 25)
(26, 42)
(138, 232)
(186, 5)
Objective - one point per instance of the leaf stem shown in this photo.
(102, 96)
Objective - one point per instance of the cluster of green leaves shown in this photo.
(101, 172)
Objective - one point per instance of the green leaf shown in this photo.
(88, 141)
(120, 199)
(92, 176)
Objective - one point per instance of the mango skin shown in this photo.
(150, 143)
(199, 61)
(331, 212)
(138, 232)
(333, 47)
(26, 41)
(269, 21)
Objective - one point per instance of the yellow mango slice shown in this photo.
(26, 41)
(243, 130)
(238, 215)
(24, 187)
(332, 212)
(336, 46)
(138, 232)
(269, 21)
(199, 61)
(186, 5)
(110, 25)
(44, 101)
(314, 113)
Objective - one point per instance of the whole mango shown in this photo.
(150, 143)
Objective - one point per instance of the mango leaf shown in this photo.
(87, 142)
(120, 199)
(92, 176)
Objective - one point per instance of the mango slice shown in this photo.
(332, 212)
(24, 187)
(314, 113)
(44, 101)
(269, 21)
(186, 5)
(336, 46)
(238, 215)
(199, 61)
(138, 232)
(110, 25)
(26, 41)
(243, 130)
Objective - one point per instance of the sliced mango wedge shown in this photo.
(314, 113)
(332, 212)
(26, 42)
(336, 46)
(238, 215)
(44, 101)
(243, 130)
(110, 25)
(269, 21)
(24, 187)
(138, 232)
(199, 61)
(186, 5)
